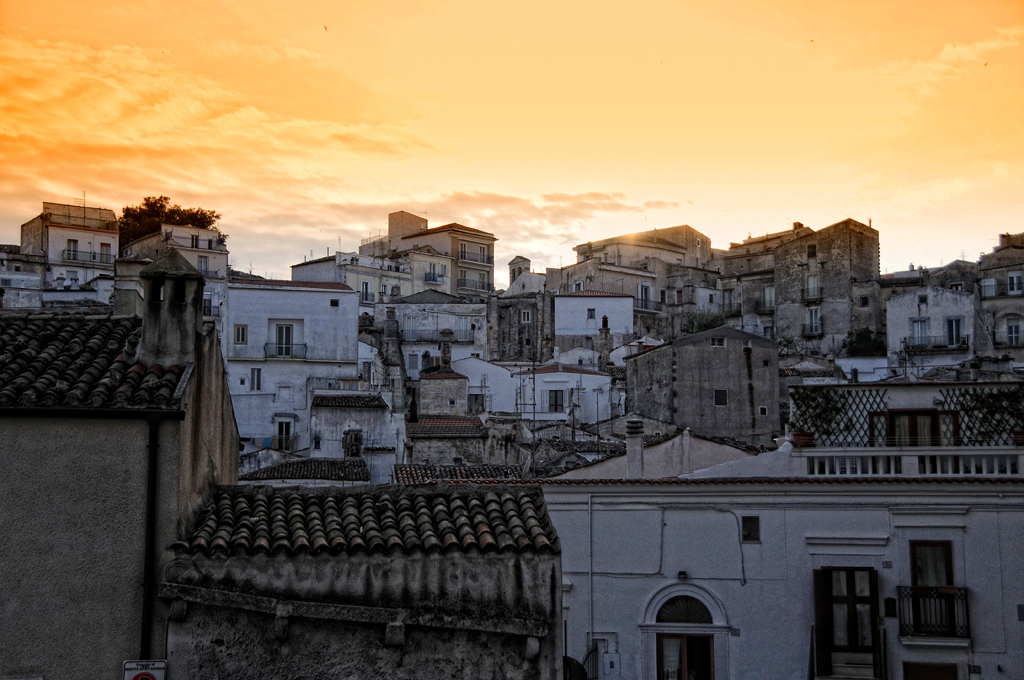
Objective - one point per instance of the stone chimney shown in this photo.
(446, 338)
(634, 448)
(173, 310)
(606, 345)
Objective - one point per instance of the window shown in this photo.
(922, 299)
(953, 336)
(931, 563)
(590, 344)
(241, 381)
(383, 290)
(812, 251)
(316, 443)
(1013, 333)
(763, 410)
(365, 295)
(204, 264)
(769, 331)
(751, 529)
(915, 428)
(413, 362)
(334, 302)
(1013, 283)
(72, 253)
(527, 341)
(284, 340)
(864, 301)
(768, 293)
(105, 253)
(718, 342)
(958, 287)
(577, 287)
(663, 298)
(591, 314)
(525, 316)
(193, 241)
(209, 244)
(207, 304)
(727, 297)
(255, 379)
(721, 397)
(556, 403)
(698, 243)
(711, 298)
(812, 290)
(813, 320)
(456, 460)
(918, 331)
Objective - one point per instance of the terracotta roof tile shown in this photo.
(335, 469)
(592, 293)
(424, 474)
(454, 226)
(560, 368)
(349, 401)
(445, 426)
(252, 520)
(79, 360)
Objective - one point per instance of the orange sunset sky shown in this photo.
(548, 123)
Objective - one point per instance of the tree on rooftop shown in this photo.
(145, 219)
(863, 343)
(696, 321)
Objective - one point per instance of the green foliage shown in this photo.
(696, 321)
(987, 415)
(819, 411)
(145, 219)
(863, 343)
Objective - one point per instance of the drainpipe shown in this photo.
(739, 532)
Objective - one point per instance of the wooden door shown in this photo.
(686, 657)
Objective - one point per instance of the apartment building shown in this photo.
(78, 244)
(1001, 287)
(21, 278)
(375, 279)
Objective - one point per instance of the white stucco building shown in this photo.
(557, 392)
(286, 341)
(933, 326)
(579, 315)
(891, 548)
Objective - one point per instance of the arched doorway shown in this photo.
(685, 635)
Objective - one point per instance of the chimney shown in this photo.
(173, 311)
(975, 371)
(446, 337)
(798, 225)
(634, 448)
(606, 345)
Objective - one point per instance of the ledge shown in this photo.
(946, 642)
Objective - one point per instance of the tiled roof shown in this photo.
(590, 446)
(443, 374)
(247, 520)
(592, 293)
(78, 360)
(335, 469)
(426, 474)
(280, 283)
(560, 368)
(752, 481)
(350, 400)
(451, 227)
(446, 426)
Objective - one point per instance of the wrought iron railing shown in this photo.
(365, 296)
(82, 256)
(646, 304)
(432, 277)
(214, 273)
(762, 307)
(469, 256)
(810, 294)
(199, 243)
(475, 285)
(811, 330)
(283, 443)
(732, 308)
(919, 343)
(279, 350)
(933, 611)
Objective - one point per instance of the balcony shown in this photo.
(732, 308)
(210, 273)
(647, 304)
(918, 344)
(1008, 339)
(810, 294)
(199, 243)
(430, 335)
(366, 296)
(933, 611)
(274, 350)
(993, 290)
(283, 443)
(896, 461)
(81, 256)
(431, 277)
(812, 330)
(211, 310)
(475, 285)
(466, 256)
(762, 307)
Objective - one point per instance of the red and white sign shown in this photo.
(145, 670)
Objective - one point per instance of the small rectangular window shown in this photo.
(864, 301)
(721, 397)
(334, 302)
(763, 410)
(241, 334)
(751, 528)
(812, 251)
(316, 443)
(718, 342)
(255, 379)
(922, 299)
(526, 316)
(591, 314)
(413, 364)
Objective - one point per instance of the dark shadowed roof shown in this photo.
(334, 469)
(426, 474)
(280, 283)
(560, 368)
(350, 400)
(443, 373)
(260, 520)
(431, 297)
(79, 360)
(445, 426)
(454, 226)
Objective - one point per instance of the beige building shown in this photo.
(79, 244)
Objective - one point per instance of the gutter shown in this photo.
(153, 418)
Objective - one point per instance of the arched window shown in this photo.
(684, 609)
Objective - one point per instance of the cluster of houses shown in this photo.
(665, 460)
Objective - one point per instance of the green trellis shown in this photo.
(988, 415)
(835, 417)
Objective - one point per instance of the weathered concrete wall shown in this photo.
(680, 455)
(72, 548)
(380, 428)
(444, 397)
(443, 451)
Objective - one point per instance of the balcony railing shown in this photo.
(810, 294)
(213, 273)
(431, 277)
(467, 256)
(416, 335)
(921, 343)
(732, 309)
(812, 330)
(199, 243)
(82, 256)
(283, 443)
(933, 611)
(762, 307)
(475, 285)
(647, 304)
(900, 463)
(1008, 339)
(211, 310)
(275, 350)
(365, 296)
(991, 290)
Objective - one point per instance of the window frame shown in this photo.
(948, 555)
(716, 394)
(255, 379)
(244, 328)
